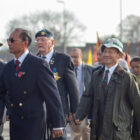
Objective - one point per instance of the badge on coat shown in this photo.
(56, 75)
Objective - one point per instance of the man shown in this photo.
(83, 75)
(29, 83)
(115, 95)
(2, 102)
(100, 60)
(63, 70)
(135, 66)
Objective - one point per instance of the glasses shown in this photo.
(12, 40)
(41, 40)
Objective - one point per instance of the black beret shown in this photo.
(45, 33)
(1, 44)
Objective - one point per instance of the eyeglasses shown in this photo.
(41, 40)
(12, 40)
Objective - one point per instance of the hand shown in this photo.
(7, 117)
(70, 118)
(139, 133)
(57, 133)
(77, 122)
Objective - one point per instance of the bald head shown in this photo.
(76, 55)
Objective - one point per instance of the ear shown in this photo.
(26, 42)
(53, 42)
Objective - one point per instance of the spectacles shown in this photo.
(41, 40)
(12, 40)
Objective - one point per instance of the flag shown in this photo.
(89, 62)
(96, 48)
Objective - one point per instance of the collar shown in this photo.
(80, 66)
(111, 69)
(49, 55)
(22, 57)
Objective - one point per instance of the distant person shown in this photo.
(63, 69)
(83, 75)
(123, 64)
(135, 66)
(100, 60)
(115, 95)
(29, 82)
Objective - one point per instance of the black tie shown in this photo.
(44, 57)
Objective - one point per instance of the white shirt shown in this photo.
(49, 55)
(111, 70)
(22, 57)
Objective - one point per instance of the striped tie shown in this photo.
(17, 64)
(105, 81)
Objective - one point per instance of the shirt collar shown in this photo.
(111, 69)
(22, 57)
(49, 55)
(80, 66)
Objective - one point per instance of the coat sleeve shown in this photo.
(71, 84)
(50, 94)
(86, 102)
(134, 97)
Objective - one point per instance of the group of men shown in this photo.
(43, 92)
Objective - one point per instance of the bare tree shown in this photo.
(131, 29)
(65, 27)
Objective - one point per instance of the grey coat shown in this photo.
(126, 99)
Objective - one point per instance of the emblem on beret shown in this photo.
(42, 33)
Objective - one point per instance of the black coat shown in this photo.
(27, 89)
(62, 66)
(2, 102)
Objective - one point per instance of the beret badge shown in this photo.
(42, 33)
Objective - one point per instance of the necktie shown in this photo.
(76, 71)
(44, 57)
(17, 64)
(105, 81)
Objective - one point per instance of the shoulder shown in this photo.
(62, 56)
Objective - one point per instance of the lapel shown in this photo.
(83, 74)
(19, 76)
(53, 62)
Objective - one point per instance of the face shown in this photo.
(136, 68)
(111, 56)
(15, 43)
(100, 56)
(76, 57)
(44, 45)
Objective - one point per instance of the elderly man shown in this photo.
(63, 70)
(115, 95)
(29, 82)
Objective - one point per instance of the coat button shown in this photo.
(20, 104)
(12, 105)
(22, 117)
(25, 92)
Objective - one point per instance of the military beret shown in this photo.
(45, 33)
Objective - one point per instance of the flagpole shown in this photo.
(121, 20)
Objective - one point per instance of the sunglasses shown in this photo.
(12, 40)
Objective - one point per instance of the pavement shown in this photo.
(6, 132)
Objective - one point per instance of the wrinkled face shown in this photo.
(76, 57)
(44, 45)
(16, 45)
(111, 56)
(136, 67)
